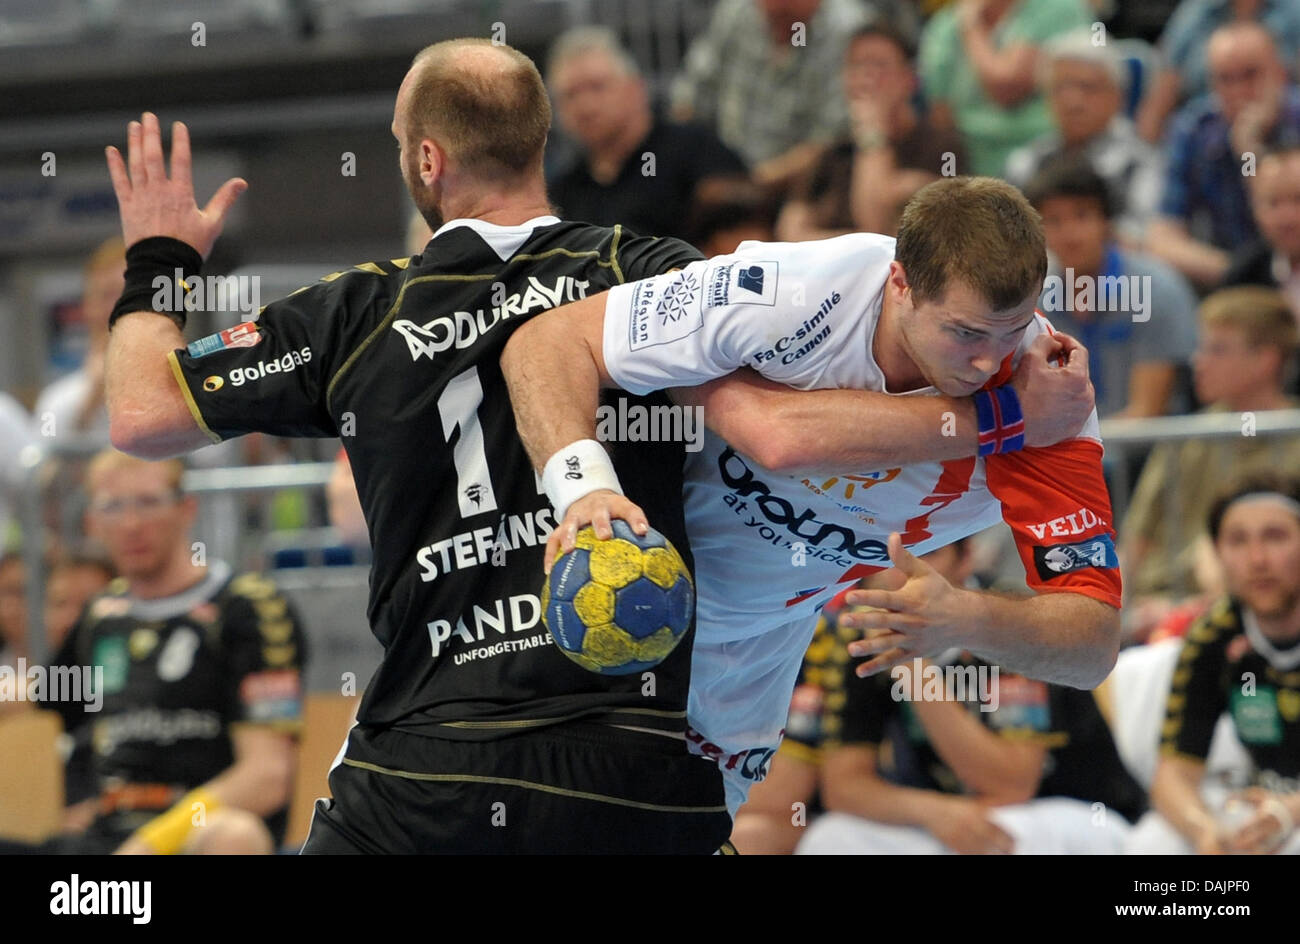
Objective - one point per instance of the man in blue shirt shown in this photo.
(1212, 146)
(1136, 315)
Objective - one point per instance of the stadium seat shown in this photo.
(31, 776)
(326, 720)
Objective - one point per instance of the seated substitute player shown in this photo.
(472, 720)
(947, 307)
(1015, 772)
(194, 749)
(1242, 657)
(998, 763)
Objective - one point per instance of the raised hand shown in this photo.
(153, 204)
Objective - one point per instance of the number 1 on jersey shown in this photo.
(458, 407)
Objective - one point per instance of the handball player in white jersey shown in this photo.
(946, 309)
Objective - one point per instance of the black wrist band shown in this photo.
(160, 274)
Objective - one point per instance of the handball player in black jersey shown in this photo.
(475, 734)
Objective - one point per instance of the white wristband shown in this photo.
(576, 470)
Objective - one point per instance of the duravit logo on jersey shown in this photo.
(461, 329)
(281, 365)
(804, 339)
(802, 525)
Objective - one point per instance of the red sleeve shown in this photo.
(1056, 502)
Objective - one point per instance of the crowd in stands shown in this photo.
(1167, 176)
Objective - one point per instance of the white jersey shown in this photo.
(770, 547)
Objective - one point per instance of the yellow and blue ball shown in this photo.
(618, 606)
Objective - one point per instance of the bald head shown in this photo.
(484, 105)
(1244, 66)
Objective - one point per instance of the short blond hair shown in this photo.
(1261, 314)
(979, 231)
(110, 254)
(110, 460)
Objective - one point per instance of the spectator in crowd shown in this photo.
(13, 608)
(1240, 658)
(72, 582)
(1136, 315)
(1213, 145)
(861, 182)
(978, 63)
(1084, 85)
(1246, 352)
(74, 404)
(1185, 73)
(764, 74)
(633, 167)
(729, 213)
(15, 434)
(201, 681)
(953, 755)
(1273, 259)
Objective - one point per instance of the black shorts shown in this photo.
(572, 788)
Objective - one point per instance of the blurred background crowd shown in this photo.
(1160, 141)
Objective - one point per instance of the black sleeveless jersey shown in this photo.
(400, 360)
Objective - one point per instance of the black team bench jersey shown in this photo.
(833, 706)
(1227, 664)
(178, 673)
(400, 359)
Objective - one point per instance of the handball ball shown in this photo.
(618, 606)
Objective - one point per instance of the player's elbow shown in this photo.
(128, 433)
(138, 434)
(1103, 650)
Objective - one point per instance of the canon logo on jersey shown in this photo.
(804, 525)
(281, 365)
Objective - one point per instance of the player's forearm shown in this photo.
(1064, 638)
(554, 384)
(1176, 795)
(787, 430)
(990, 766)
(147, 413)
(871, 797)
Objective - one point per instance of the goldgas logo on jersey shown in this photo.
(1058, 559)
(282, 365)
